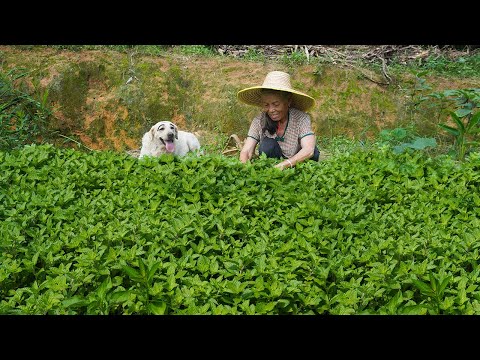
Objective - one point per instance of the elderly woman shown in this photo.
(283, 128)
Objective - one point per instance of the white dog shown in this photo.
(164, 137)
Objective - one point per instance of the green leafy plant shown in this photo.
(401, 139)
(465, 117)
(103, 233)
(144, 277)
(434, 290)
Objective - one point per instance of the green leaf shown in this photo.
(394, 303)
(424, 288)
(75, 301)
(119, 297)
(447, 303)
(132, 273)
(443, 285)
(104, 286)
(35, 258)
(143, 268)
(472, 124)
(458, 121)
(450, 129)
(462, 296)
(398, 149)
(414, 310)
(157, 307)
(450, 92)
(152, 270)
(422, 143)
(283, 303)
(463, 112)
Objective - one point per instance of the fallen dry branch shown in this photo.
(381, 54)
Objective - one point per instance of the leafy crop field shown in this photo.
(366, 232)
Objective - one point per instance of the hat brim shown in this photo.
(252, 96)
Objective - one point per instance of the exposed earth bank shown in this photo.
(106, 99)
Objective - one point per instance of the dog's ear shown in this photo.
(176, 131)
(152, 132)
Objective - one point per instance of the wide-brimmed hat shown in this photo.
(276, 80)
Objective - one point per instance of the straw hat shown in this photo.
(276, 80)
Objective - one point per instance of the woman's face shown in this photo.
(275, 105)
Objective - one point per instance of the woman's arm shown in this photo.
(306, 152)
(248, 148)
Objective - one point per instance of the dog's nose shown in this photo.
(170, 136)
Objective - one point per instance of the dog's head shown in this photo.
(166, 132)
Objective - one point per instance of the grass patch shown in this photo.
(462, 67)
(201, 50)
(23, 117)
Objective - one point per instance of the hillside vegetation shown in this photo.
(106, 97)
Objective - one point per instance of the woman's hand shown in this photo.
(248, 149)
(306, 152)
(287, 163)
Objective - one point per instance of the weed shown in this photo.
(254, 55)
(23, 119)
(465, 116)
(461, 67)
(197, 50)
(293, 59)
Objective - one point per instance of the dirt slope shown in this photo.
(108, 99)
